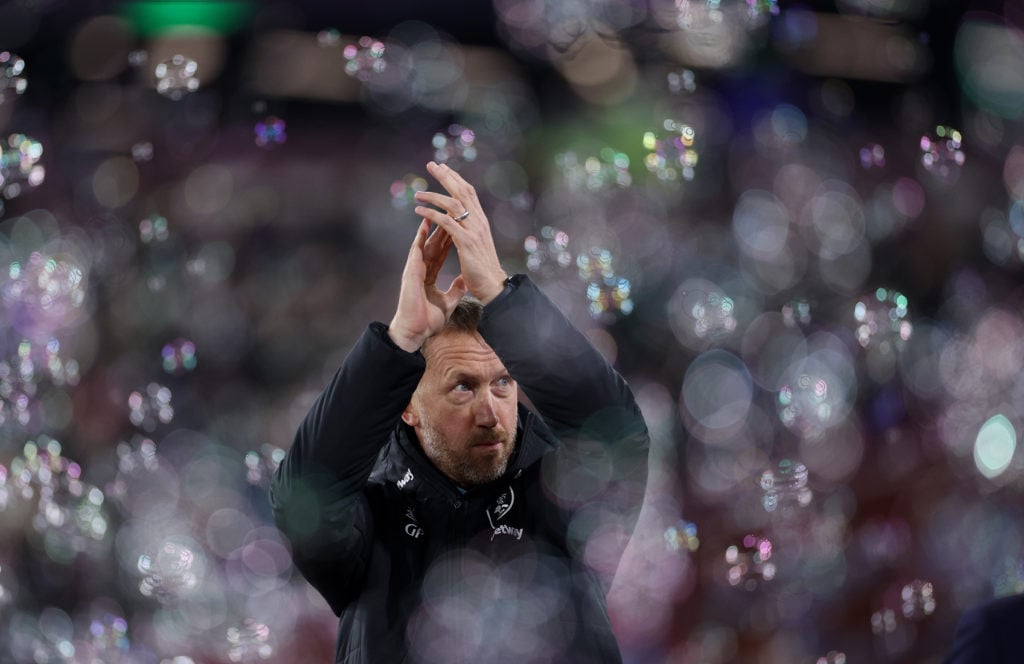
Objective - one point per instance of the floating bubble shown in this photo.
(683, 81)
(108, 636)
(179, 356)
(942, 154)
(150, 406)
(403, 192)
(153, 229)
(454, 147)
(260, 466)
(608, 170)
(796, 312)
(138, 57)
(785, 487)
(250, 642)
(19, 165)
(872, 155)
(146, 485)
(328, 38)
(805, 404)
(44, 293)
(882, 320)
(749, 564)
(270, 132)
(365, 58)
(671, 156)
(68, 514)
(176, 77)
(171, 572)
(12, 83)
(918, 600)
(142, 151)
(606, 291)
(832, 657)
(548, 251)
(681, 537)
(701, 313)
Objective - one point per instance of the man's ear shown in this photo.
(410, 417)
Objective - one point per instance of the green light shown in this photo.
(150, 17)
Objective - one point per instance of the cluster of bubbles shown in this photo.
(364, 59)
(832, 657)
(169, 572)
(882, 320)
(785, 487)
(608, 170)
(403, 192)
(11, 80)
(270, 132)
(942, 154)
(23, 371)
(607, 292)
(916, 602)
(150, 406)
(328, 38)
(872, 155)
(682, 82)
(455, 146)
(700, 313)
(67, 513)
(681, 537)
(805, 405)
(260, 466)
(43, 293)
(179, 356)
(153, 229)
(671, 156)
(749, 564)
(177, 77)
(19, 165)
(548, 250)
(250, 642)
(142, 151)
(796, 312)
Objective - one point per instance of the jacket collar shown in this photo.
(405, 464)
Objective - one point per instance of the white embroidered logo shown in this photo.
(405, 479)
(507, 530)
(412, 529)
(502, 506)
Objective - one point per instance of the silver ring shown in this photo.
(461, 216)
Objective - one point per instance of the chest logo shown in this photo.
(412, 529)
(405, 479)
(501, 507)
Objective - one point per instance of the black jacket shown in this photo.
(990, 633)
(514, 570)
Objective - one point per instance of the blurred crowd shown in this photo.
(798, 231)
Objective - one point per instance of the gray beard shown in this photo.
(460, 467)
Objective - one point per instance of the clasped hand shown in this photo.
(423, 308)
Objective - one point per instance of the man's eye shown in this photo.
(462, 387)
(505, 382)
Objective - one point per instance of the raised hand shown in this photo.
(423, 308)
(471, 234)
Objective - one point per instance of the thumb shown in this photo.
(455, 292)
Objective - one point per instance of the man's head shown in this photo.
(464, 408)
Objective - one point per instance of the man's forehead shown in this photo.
(454, 352)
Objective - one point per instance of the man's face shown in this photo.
(464, 409)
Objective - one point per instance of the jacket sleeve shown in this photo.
(599, 471)
(317, 492)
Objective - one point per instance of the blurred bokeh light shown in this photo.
(797, 230)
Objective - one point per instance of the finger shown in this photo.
(453, 228)
(452, 206)
(452, 182)
(455, 292)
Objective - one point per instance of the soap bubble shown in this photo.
(250, 642)
(365, 58)
(150, 406)
(682, 537)
(19, 165)
(749, 564)
(270, 131)
(179, 356)
(670, 154)
(548, 251)
(607, 171)
(785, 487)
(153, 229)
(942, 154)
(171, 572)
(454, 147)
(882, 320)
(403, 191)
(328, 38)
(11, 80)
(260, 466)
(683, 81)
(176, 77)
(872, 155)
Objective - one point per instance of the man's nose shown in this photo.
(486, 415)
